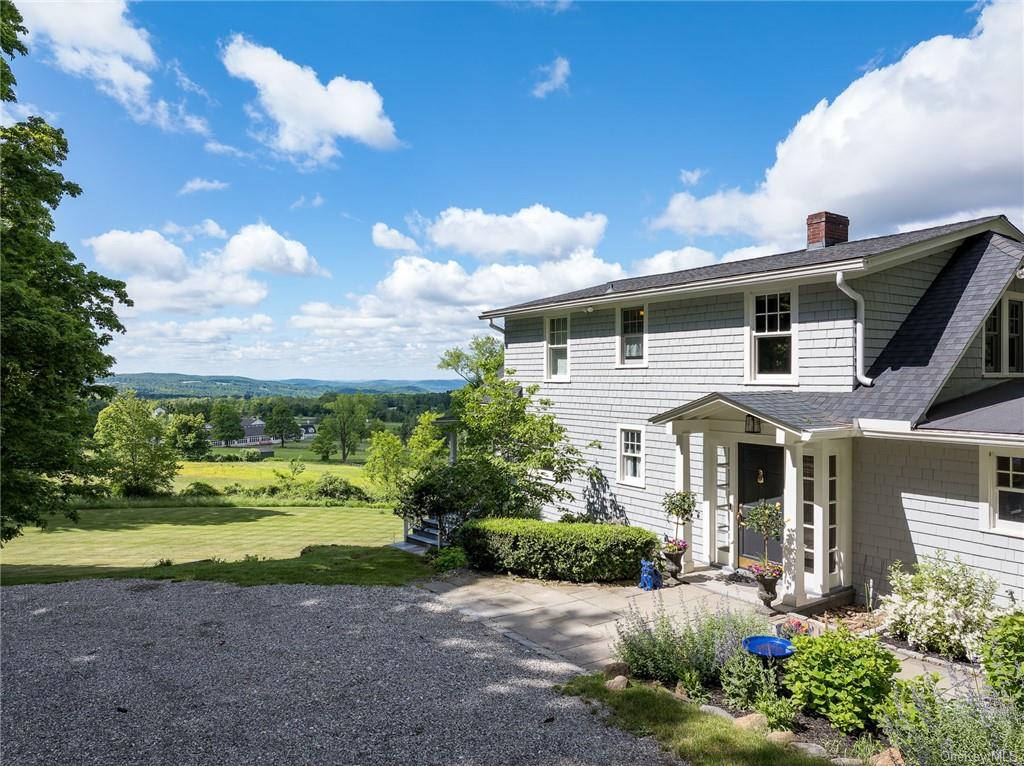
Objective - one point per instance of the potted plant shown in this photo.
(680, 507)
(672, 551)
(766, 519)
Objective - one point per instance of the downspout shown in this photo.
(858, 299)
(495, 327)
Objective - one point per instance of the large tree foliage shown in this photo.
(133, 451)
(56, 320)
(187, 435)
(390, 464)
(226, 422)
(352, 412)
(484, 358)
(513, 458)
(280, 423)
(325, 443)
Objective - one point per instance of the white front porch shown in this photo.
(816, 495)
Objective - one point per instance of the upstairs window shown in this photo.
(558, 348)
(633, 335)
(631, 456)
(772, 343)
(1003, 337)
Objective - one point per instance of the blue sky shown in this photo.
(367, 177)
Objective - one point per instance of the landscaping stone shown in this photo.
(720, 712)
(809, 748)
(844, 761)
(781, 738)
(890, 757)
(616, 684)
(613, 669)
(752, 721)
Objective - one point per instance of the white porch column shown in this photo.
(709, 506)
(793, 536)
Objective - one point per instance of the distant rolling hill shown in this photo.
(158, 385)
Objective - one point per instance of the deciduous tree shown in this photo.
(484, 358)
(325, 443)
(352, 412)
(227, 423)
(187, 435)
(135, 456)
(280, 423)
(56, 319)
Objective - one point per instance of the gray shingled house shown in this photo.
(875, 388)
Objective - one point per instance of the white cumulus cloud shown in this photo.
(555, 77)
(533, 231)
(202, 184)
(308, 116)
(139, 252)
(674, 260)
(99, 42)
(205, 228)
(691, 177)
(387, 238)
(260, 247)
(934, 136)
(316, 200)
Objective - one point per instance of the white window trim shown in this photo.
(548, 377)
(620, 360)
(988, 496)
(1004, 340)
(629, 481)
(751, 378)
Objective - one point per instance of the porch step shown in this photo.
(422, 537)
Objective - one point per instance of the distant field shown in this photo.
(110, 541)
(301, 450)
(251, 474)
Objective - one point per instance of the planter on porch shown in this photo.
(767, 574)
(672, 552)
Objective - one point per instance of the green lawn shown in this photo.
(251, 474)
(699, 738)
(118, 541)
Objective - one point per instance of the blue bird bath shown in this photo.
(769, 646)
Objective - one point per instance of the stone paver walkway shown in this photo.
(577, 621)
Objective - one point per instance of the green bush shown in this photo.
(199, 489)
(250, 455)
(574, 552)
(745, 680)
(1002, 656)
(840, 676)
(333, 487)
(932, 728)
(450, 558)
(942, 606)
(660, 648)
(780, 711)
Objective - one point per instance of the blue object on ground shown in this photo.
(769, 646)
(650, 575)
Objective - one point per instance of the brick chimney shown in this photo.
(826, 229)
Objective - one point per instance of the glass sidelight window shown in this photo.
(808, 513)
(833, 507)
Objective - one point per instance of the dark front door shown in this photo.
(760, 478)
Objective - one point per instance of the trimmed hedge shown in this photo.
(550, 551)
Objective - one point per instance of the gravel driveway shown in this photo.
(139, 672)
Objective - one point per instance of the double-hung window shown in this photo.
(558, 348)
(1003, 337)
(632, 336)
(1003, 489)
(772, 341)
(631, 456)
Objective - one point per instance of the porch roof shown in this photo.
(788, 410)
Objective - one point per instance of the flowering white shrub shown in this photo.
(941, 606)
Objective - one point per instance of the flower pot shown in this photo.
(766, 589)
(673, 563)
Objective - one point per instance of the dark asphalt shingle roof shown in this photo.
(913, 367)
(995, 410)
(846, 250)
